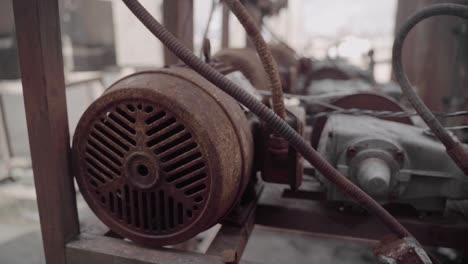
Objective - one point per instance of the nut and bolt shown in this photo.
(352, 151)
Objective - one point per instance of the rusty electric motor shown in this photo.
(162, 156)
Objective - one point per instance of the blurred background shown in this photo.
(102, 41)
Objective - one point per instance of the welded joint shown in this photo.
(392, 250)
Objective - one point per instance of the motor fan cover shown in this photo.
(162, 155)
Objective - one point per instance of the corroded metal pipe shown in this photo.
(454, 148)
(264, 53)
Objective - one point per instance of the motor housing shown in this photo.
(162, 156)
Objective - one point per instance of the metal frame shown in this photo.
(39, 43)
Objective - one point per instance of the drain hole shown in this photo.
(180, 213)
(96, 176)
(179, 152)
(119, 204)
(148, 109)
(112, 138)
(153, 211)
(122, 124)
(131, 108)
(169, 134)
(183, 162)
(155, 118)
(121, 134)
(171, 212)
(162, 210)
(159, 127)
(103, 152)
(185, 172)
(190, 181)
(142, 170)
(125, 115)
(105, 143)
(172, 144)
(195, 189)
(144, 207)
(127, 205)
(111, 202)
(106, 164)
(136, 208)
(97, 169)
(93, 183)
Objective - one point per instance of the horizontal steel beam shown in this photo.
(319, 219)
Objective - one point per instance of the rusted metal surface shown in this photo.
(246, 61)
(91, 249)
(231, 240)
(178, 19)
(269, 66)
(288, 64)
(326, 220)
(368, 101)
(40, 55)
(393, 250)
(225, 27)
(162, 156)
(280, 163)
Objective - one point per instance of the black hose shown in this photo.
(269, 117)
(454, 148)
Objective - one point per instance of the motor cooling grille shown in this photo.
(145, 168)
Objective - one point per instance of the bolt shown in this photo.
(352, 151)
(399, 155)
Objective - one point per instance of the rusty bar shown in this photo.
(257, 16)
(178, 19)
(232, 238)
(318, 219)
(91, 249)
(225, 28)
(40, 55)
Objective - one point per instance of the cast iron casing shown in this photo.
(162, 155)
(421, 173)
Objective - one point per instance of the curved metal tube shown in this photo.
(274, 122)
(264, 53)
(454, 148)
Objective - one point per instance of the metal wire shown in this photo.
(214, 5)
(264, 53)
(317, 100)
(387, 114)
(453, 146)
(276, 123)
